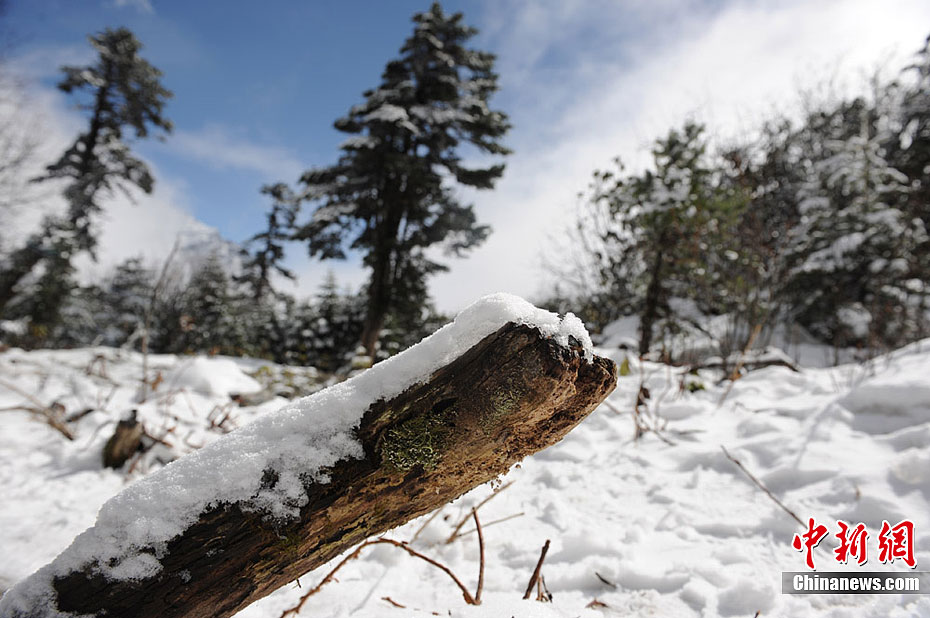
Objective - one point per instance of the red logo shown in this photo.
(852, 543)
(894, 542)
(898, 544)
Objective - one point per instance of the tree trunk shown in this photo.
(512, 394)
(380, 289)
(651, 309)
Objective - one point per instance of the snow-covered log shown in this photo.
(224, 526)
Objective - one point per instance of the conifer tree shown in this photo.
(388, 197)
(128, 293)
(120, 92)
(660, 223)
(213, 322)
(268, 244)
(910, 150)
(853, 251)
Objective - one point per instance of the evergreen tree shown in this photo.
(212, 318)
(128, 293)
(386, 197)
(44, 297)
(266, 259)
(660, 226)
(909, 150)
(747, 256)
(120, 91)
(853, 251)
(337, 321)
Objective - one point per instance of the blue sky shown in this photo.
(258, 85)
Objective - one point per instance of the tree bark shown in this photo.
(512, 394)
(380, 288)
(651, 308)
(124, 442)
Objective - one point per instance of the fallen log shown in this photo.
(516, 381)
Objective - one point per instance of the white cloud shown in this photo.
(46, 62)
(217, 147)
(143, 6)
(729, 69)
(144, 226)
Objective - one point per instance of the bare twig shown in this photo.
(393, 602)
(155, 438)
(535, 576)
(542, 590)
(612, 407)
(329, 577)
(641, 428)
(759, 484)
(355, 554)
(605, 580)
(474, 514)
(71, 418)
(734, 376)
(46, 412)
(493, 522)
(455, 532)
(147, 320)
(427, 523)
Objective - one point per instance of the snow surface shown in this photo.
(212, 377)
(644, 527)
(297, 441)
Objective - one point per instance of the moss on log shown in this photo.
(509, 396)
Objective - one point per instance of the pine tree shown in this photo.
(386, 197)
(910, 149)
(128, 292)
(258, 266)
(212, 317)
(43, 300)
(121, 92)
(337, 324)
(853, 251)
(659, 227)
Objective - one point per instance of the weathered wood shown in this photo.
(124, 442)
(511, 395)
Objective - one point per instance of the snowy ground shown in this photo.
(645, 528)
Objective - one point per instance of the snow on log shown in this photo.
(224, 526)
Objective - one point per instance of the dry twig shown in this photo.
(393, 602)
(426, 523)
(493, 522)
(759, 484)
(542, 591)
(535, 576)
(734, 376)
(404, 546)
(455, 533)
(474, 514)
(147, 321)
(40, 409)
